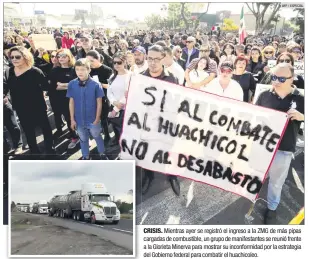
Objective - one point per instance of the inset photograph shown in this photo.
(72, 208)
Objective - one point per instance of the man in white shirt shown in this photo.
(140, 60)
(224, 85)
(172, 66)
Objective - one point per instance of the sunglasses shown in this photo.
(53, 56)
(225, 71)
(266, 52)
(284, 60)
(296, 51)
(16, 57)
(179, 51)
(281, 79)
(84, 40)
(204, 50)
(62, 56)
(118, 62)
(189, 41)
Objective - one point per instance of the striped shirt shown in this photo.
(212, 68)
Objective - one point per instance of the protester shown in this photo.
(140, 60)
(198, 73)
(224, 85)
(118, 84)
(211, 68)
(67, 41)
(60, 77)
(285, 58)
(244, 78)
(256, 64)
(25, 84)
(85, 118)
(101, 74)
(177, 53)
(156, 70)
(172, 66)
(190, 52)
(112, 47)
(284, 97)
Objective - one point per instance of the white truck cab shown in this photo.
(97, 204)
(43, 207)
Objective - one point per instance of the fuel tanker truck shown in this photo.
(91, 204)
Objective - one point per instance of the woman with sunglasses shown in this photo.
(25, 84)
(177, 53)
(198, 73)
(116, 92)
(268, 54)
(285, 58)
(60, 77)
(244, 78)
(256, 64)
(295, 51)
(112, 47)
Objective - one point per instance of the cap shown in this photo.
(139, 49)
(191, 39)
(227, 65)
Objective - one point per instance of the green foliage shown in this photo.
(125, 207)
(299, 20)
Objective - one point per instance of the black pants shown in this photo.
(117, 124)
(60, 106)
(104, 117)
(10, 122)
(29, 122)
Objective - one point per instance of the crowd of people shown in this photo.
(86, 80)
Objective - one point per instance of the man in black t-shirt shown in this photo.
(101, 73)
(283, 97)
(156, 70)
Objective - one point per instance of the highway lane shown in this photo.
(113, 233)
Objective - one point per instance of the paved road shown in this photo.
(121, 234)
(202, 204)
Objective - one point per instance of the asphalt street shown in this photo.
(203, 204)
(120, 234)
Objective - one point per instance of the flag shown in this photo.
(242, 27)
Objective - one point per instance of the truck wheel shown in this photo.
(92, 218)
(115, 222)
(78, 216)
(74, 215)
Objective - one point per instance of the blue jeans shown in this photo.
(278, 172)
(84, 134)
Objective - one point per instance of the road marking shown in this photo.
(297, 180)
(123, 230)
(143, 218)
(190, 194)
(173, 220)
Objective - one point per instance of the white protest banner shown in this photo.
(271, 63)
(45, 41)
(259, 89)
(180, 131)
(299, 68)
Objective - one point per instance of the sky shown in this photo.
(33, 181)
(129, 11)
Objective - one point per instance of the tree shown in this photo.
(229, 25)
(125, 207)
(154, 21)
(13, 205)
(259, 11)
(299, 20)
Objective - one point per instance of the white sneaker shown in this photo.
(18, 151)
(300, 143)
(73, 143)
